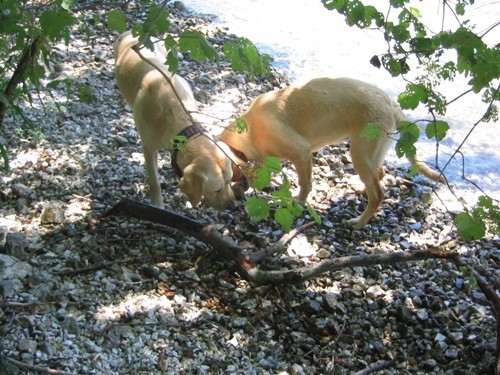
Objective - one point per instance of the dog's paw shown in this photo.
(356, 223)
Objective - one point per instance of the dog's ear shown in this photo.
(191, 184)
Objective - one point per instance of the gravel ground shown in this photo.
(118, 296)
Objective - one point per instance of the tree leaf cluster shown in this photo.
(286, 208)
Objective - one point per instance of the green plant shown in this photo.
(242, 53)
(286, 208)
(412, 46)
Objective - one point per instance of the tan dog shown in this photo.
(159, 117)
(293, 122)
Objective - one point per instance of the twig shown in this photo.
(279, 246)
(305, 273)
(488, 110)
(102, 265)
(27, 58)
(490, 294)
(38, 369)
(377, 367)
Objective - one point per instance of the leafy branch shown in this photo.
(408, 37)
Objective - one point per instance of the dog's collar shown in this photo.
(189, 132)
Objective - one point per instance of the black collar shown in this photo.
(189, 132)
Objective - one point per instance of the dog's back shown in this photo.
(134, 75)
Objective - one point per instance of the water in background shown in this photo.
(307, 41)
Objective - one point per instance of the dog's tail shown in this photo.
(425, 170)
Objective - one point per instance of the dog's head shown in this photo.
(209, 177)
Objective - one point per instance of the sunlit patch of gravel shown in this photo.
(145, 299)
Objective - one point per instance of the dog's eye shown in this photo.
(218, 190)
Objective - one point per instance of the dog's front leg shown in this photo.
(151, 160)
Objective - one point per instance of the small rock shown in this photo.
(239, 322)
(375, 291)
(439, 337)
(71, 325)
(15, 245)
(456, 337)
(430, 364)
(52, 213)
(26, 345)
(422, 315)
(48, 348)
(13, 268)
(451, 353)
(191, 275)
(9, 288)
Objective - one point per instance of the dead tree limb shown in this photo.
(279, 246)
(29, 55)
(34, 368)
(244, 263)
(492, 296)
(304, 273)
(206, 233)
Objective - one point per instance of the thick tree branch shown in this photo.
(328, 265)
(206, 233)
(27, 58)
(244, 262)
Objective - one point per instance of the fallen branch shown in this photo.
(33, 368)
(379, 366)
(29, 56)
(245, 263)
(328, 265)
(279, 246)
(107, 264)
(206, 233)
(490, 293)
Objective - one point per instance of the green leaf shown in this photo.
(262, 178)
(314, 214)
(273, 163)
(68, 4)
(371, 131)
(408, 135)
(116, 21)
(413, 96)
(172, 61)
(245, 57)
(86, 94)
(284, 218)
(334, 4)
(395, 66)
(413, 170)
(157, 22)
(199, 48)
(437, 129)
(178, 142)
(460, 9)
(241, 126)
(55, 23)
(295, 208)
(257, 208)
(469, 228)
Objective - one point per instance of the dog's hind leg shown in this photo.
(151, 160)
(369, 165)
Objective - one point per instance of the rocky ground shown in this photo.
(119, 296)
